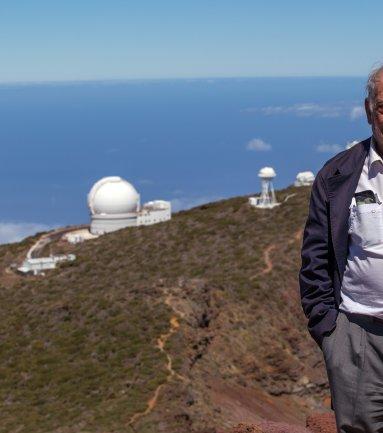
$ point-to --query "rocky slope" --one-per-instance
(193, 325)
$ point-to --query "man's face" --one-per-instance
(375, 113)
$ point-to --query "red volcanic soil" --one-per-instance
(315, 423)
(270, 427)
(251, 406)
(321, 423)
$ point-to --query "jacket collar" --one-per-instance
(341, 185)
(348, 166)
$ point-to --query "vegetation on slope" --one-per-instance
(79, 348)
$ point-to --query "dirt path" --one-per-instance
(160, 344)
(267, 254)
(268, 262)
(174, 325)
(267, 259)
(289, 196)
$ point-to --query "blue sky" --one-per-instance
(115, 39)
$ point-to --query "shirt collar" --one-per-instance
(373, 155)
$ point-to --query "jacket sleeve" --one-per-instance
(316, 285)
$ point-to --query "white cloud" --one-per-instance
(356, 112)
(311, 109)
(14, 232)
(184, 203)
(329, 148)
(308, 109)
(258, 145)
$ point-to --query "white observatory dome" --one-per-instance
(113, 195)
(267, 173)
(305, 177)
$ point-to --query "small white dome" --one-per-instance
(113, 195)
(305, 176)
(267, 173)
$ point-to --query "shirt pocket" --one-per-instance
(366, 224)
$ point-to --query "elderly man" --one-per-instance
(341, 277)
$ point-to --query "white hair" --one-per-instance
(371, 84)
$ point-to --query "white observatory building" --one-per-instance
(267, 199)
(304, 178)
(114, 204)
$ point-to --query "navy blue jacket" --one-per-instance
(325, 238)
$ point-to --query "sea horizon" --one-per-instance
(186, 140)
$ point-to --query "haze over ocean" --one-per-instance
(188, 141)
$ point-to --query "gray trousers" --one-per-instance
(353, 354)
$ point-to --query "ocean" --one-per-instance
(187, 141)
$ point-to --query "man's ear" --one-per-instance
(368, 110)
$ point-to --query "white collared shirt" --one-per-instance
(362, 285)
